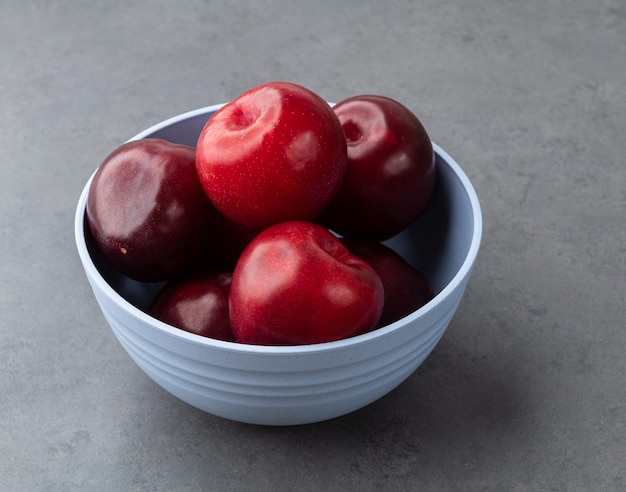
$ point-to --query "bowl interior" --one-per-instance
(442, 240)
(443, 243)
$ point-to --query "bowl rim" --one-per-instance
(284, 350)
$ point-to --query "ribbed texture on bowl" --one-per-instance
(297, 389)
(302, 384)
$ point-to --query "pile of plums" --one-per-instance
(270, 230)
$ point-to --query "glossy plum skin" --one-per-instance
(147, 212)
(197, 303)
(406, 288)
(275, 153)
(297, 284)
(391, 169)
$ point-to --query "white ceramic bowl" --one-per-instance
(297, 384)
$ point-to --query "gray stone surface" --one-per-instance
(526, 391)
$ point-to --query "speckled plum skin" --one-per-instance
(197, 303)
(275, 153)
(147, 212)
(406, 288)
(391, 169)
(297, 284)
